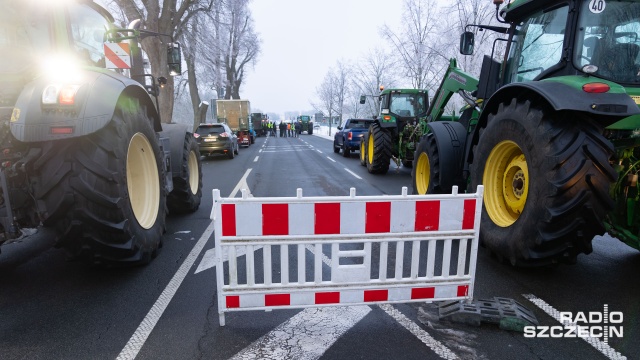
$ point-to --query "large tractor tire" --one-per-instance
(105, 193)
(310, 128)
(187, 187)
(363, 151)
(426, 170)
(546, 177)
(378, 150)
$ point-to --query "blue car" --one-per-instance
(349, 134)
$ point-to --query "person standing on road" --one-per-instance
(289, 129)
(283, 127)
(293, 129)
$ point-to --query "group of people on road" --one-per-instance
(292, 129)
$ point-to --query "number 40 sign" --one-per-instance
(597, 6)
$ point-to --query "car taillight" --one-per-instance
(350, 136)
(224, 134)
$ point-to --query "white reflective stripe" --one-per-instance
(301, 218)
(303, 298)
(403, 216)
(248, 219)
(446, 291)
(352, 217)
(399, 294)
(252, 300)
(351, 296)
(451, 214)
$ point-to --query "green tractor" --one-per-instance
(307, 124)
(551, 131)
(396, 131)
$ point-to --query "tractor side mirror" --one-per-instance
(467, 41)
(174, 59)
(363, 99)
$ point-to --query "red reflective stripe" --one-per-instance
(228, 219)
(378, 217)
(115, 59)
(427, 215)
(327, 218)
(376, 295)
(423, 293)
(275, 219)
(277, 299)
(233, 302)
(468, 214)
(328, 297)
(463, 290)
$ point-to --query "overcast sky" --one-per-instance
(302, 39)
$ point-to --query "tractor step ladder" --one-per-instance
(375, 249)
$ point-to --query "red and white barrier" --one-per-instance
(356, 238)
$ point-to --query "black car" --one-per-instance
(216, 139)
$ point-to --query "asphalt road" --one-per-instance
(54, 309)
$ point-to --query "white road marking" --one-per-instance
(319, 151)
(307, 335)
(208, 261)
(352, 173)
(260, 150)
(604, 348)
(277, 151)
(183, 232)
(140, 336)
(256, 159)
(330, 159)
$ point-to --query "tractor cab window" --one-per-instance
(537, 44)
(609, 38)
(407, 105)
(87, 30)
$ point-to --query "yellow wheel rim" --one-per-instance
(194, 176)
(362, 151)
(506, 181)
(370, 149)
(143, 181)
(423, 173)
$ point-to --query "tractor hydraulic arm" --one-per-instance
(454, 80)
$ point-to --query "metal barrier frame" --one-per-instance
(349, 284)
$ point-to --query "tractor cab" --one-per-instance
(401, 106)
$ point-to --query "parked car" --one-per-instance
(216, 139)
(349, 134)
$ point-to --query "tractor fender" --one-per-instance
(609, 107)
(176, 134)
(450, 138)
(95, 104)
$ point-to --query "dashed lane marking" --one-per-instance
(319, 151)
(256, 159)
(352, 173)
(140, 336)
(602, 347)
(260, 150)
(330, 159)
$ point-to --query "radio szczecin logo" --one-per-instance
(593, 324)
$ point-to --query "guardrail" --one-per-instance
(377, 249)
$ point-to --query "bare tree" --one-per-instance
(417, 45)
(169, 17)
(327, 95)
(376, 68)
(239, 43)
(342, 80)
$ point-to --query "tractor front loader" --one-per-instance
(83, 147)
(551, 131)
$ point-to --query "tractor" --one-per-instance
(551, 130)
(83, 148)
(396, 130)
